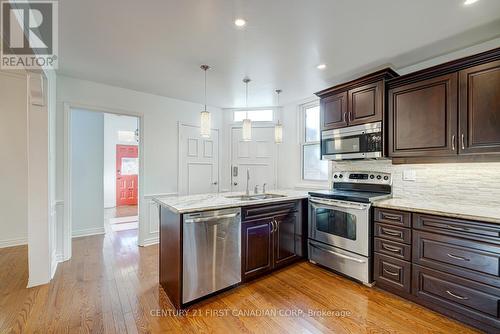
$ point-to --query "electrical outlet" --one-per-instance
(410, 175)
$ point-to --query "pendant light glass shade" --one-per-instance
(278, 133)
(205, 119)
(205, 124)
(246, 133)
(247, 130)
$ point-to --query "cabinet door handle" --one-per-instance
(391, 248)
(457, 257)
(345, 116)
(390, 272)
(456, 296)
(391, 217)
(463, 142)
(395, 233)
(350, 117)
(453, 142)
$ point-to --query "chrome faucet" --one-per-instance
(264, 188)
(248, 179)
(256, 189)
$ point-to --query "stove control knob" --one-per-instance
(386, 177)
(341, 176)
(379, 177)
(335, 176)
(372, 176)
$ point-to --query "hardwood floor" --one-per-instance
(111, 286)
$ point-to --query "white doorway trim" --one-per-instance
(180, 169)
(67, 224)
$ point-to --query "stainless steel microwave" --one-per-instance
(354, 142)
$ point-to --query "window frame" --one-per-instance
(272, 109)
(302, 139)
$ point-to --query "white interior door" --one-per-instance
(257, 156)
(198, 161)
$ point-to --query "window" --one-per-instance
(313, 168)
(261, 115)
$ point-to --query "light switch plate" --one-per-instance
(410, 175)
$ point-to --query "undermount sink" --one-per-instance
(255, 197)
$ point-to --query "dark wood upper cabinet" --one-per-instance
(355, 102)
(480, 109)
(365, 103)
(334, 111)
(423, 118)
(446, 113)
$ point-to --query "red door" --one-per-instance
(127, 167)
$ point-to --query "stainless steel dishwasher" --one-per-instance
(211, 252)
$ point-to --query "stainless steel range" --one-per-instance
(340, 229)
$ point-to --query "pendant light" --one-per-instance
(205, 121)
(278, 128)
(247, 123)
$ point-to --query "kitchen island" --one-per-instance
(212, 242)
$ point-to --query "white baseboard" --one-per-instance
(88, 231)
(13, 242)
(150, 241)
(60, 258)
(54, 264)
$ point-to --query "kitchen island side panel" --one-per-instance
(171, 255)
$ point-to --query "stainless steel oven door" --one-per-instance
(340, 224)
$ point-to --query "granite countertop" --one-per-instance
(214, 201)
(461, 210)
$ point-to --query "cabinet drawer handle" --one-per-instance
(456, 296)
(391, 248)
(395, 233)
(463, 142)
(391, 217)
(453, 142)
(457, 257)
(390, 272)
(457, 228)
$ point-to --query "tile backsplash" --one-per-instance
(459, 182)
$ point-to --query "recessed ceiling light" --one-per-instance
(470, 2)
(321, 66)
(240, 22)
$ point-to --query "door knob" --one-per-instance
(215, 183)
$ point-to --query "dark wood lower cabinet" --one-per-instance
(256, 247)
(284, 238)
(272, 237)
(449, 265)
(459, 298)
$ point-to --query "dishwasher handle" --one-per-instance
(207, 219)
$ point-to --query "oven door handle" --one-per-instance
(340, 205)
(338, 254)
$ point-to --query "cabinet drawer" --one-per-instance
(268, 210)
(391, 248)
(459, 295)
(458, 256)
(393, 217)
(457, 227)
(392, 274)
(394, 233)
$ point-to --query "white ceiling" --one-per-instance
(157, 46)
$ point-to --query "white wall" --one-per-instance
(87, 172)
(159, 126)
(113, 124)
(14, 165)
